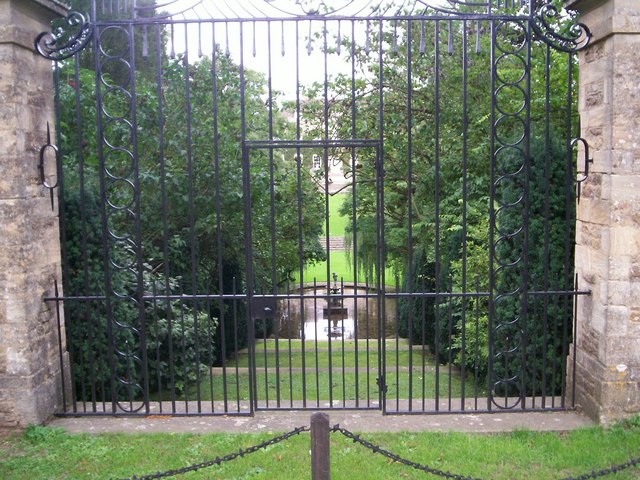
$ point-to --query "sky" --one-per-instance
(272, 51)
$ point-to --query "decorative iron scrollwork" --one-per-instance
(571, 38)
(65, 41)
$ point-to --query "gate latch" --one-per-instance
(382, 385)
(263, 308)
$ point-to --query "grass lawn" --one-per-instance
(322, 387)
(337, 223)
(47, 453)
(340, 262)
(330, 373)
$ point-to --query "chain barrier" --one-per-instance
(441, 473)
(371, 446)
(397, 458)
(226, 458)
(607, 471)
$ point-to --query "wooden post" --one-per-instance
(320, 465)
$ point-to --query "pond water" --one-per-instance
(349, 314)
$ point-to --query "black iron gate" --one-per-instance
(270, 204)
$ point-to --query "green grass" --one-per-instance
(340, 262)
(274, 380)
(48, 453)
(337, 223)
(346, 354)
(348, 359)
(322, 387)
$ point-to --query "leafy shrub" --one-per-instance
(105, 339)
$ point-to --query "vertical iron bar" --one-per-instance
(450, 336)
(158, 360)
(465, 199)
(210, 351)
(266, 360)
(344, 378)
(185, 364)
(547, 182)
(192, 218)
(248, 237)
(380, 263)
(248, 243)
(477, 348)
(437, 209)
(397, 351)
(274, 280)
(524, 315)
(299, 211)
(290, 351)
(354, 242)
(492, 221)
(218, 210)
(63, 233)
(326, 196)
(315, 322)
(234, 291)
(575, 343)
(409, 212)
(367, 343)
(423, 350)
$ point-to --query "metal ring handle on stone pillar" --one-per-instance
(584, 174)
(41, 164)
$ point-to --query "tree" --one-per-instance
(437, 178)
(154, 205)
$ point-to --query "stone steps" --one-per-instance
(335, 244)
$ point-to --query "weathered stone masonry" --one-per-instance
(30, 372)
(608, 214)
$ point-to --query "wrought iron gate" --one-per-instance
(269, 204)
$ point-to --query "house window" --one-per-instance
(316, 162)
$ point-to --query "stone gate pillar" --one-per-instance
(30, 368)
(608, 214)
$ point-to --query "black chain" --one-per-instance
(226, 458)
(607, 471)
(374, 448)
(441, 473)
(397, 458)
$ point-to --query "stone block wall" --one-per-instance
(30, 370)
(607, 343)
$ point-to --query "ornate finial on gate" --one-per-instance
(65, 40)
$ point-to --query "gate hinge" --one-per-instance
(382, 386)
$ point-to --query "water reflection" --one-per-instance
(350, 314)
